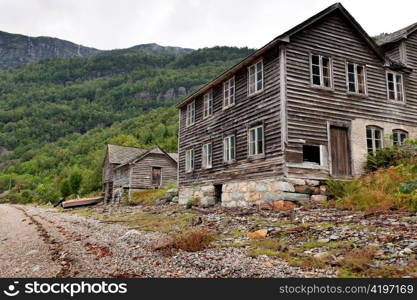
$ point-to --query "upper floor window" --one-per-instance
(399, 136)
(395, 86)
(356, 78)
(256, 78)
(229, 148)
(320, 71)
(207, 155)
(256, 140)
(190, 117)
(229, 92)
(189, 160)
(208, 104)
(373, 138)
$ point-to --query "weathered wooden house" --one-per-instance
(310, 104)
(151, 169)
(129, 168)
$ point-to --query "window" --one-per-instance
(320, 71)
(311, 153)
(229, 146)
(373, 139)
(190, 118)
(399, 136)
(256, 78)
(229, 93)
(207, 155)
(256, 140)
(356, 78)
(395, 86)
(189, 160)
(208, 104)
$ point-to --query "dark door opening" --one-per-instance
(218, 188)
(156, 176)
(340, 151)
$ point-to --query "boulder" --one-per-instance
(318, 198)
(259, 234)
(282, 205)
(293, 196)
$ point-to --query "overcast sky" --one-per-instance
(110, 24)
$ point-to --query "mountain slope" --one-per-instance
(17, 49)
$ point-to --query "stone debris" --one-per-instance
(259, 234)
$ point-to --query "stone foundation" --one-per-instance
(251, 193)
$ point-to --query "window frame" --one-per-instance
(321, 85)
(190, 114)
(228, 87)
(256, 90)
(231, 154)
(189, 160)
(208, 98)
(355, 72)
(255, 129)
(204, 156)
(396, 133)
(373, 129)
(394, 75)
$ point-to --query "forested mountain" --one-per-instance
(56, 115)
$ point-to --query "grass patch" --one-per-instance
(147, 197)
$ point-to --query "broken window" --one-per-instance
(399, 136)
(311, 153)
(320, 71)
(256, 140)
(356, 78)
(189, 160)
(229, 92)
(256, 78)
(373, 138)
(208, 104)
(190, 117)
(395, 86)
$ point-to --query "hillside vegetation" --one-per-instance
(56, 116)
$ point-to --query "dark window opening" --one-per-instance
(218, 188)
(311, 153)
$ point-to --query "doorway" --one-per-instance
(218, 188)
(340, 151)
(156, 176)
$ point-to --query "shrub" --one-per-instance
(190, 203)
(194, 240)
(45, 193)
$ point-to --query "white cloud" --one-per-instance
(109, 24)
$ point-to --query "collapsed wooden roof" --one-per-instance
(119, 154)
(286, 38)
(397, 35)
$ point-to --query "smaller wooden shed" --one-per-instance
(151, 169)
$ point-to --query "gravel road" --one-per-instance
(37, 242)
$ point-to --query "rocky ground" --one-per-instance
(120, 241)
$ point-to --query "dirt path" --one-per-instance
(22, 252)
(37, 242)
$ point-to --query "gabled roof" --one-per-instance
(156, 150)
(119, 154)
(397, 35)
(286, 38)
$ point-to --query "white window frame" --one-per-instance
(356, 78)
(207, 155)
(320, 65)
(208, 104)
(189, 160)
(229, 152)
(229, 92)
(190, 114)
(255, 145)
(255, 78)
(396, 133)
(373, 129)
(395, 83)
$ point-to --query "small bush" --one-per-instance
(190, 203)
(191, 241)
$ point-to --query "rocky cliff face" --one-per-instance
(16, 49)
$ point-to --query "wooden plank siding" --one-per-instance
(411, 54)
(309, 109)
(141, 171)
(262, 107)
